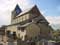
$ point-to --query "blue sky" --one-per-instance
(49, 8)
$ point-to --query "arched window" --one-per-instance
(18, 28)
(22, 29)
(8, 33)
(14, 35)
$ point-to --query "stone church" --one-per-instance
(29, 24)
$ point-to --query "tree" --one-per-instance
(56, 35)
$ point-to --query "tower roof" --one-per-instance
(17, 9)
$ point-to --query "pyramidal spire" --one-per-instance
(18, 9)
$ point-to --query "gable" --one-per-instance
(39, 17)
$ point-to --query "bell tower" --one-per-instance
(15, 12)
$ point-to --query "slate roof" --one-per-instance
(17, 9)
(26, 11)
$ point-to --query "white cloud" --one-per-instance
(53, 19)
(5, 17)
(6, 6)
(10, 4)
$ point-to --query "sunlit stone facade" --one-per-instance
(29, 24)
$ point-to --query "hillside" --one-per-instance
(55, 26)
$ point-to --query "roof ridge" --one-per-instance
(26, 10)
